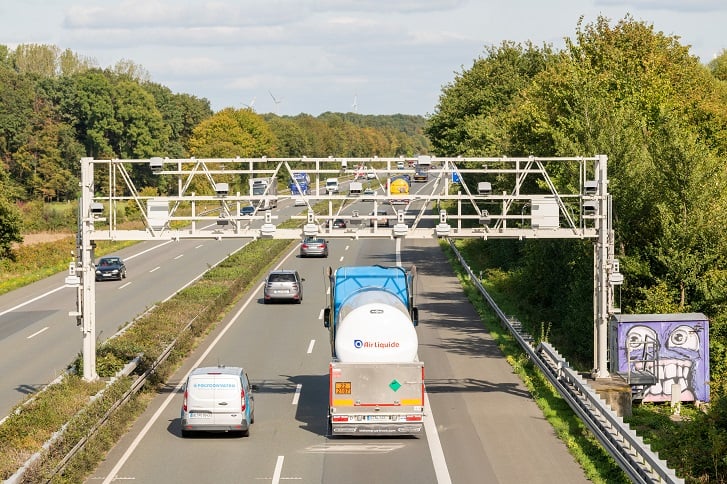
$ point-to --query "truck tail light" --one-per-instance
(340, 418)
(413, 418)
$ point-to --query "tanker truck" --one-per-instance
(376, 382)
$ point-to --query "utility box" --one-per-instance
(484, 188)
(544, 213)
(660, 354)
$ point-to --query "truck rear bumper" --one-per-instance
(355, 428)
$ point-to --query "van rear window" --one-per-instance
(282, 278)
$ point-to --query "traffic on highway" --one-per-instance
(480, 424)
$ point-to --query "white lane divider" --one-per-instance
(37, 333)
(296, 397)
(311, 345)
(278, 469)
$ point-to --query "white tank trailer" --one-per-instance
(376, 381)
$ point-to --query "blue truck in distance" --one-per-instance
(299, 184)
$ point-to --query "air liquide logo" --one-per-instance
(357, 343)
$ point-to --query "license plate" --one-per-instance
(377, 417)
(281, 291)
(199, 415)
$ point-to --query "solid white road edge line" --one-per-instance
(430, 427)
(435, 446)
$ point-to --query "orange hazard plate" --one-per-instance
(343, 388)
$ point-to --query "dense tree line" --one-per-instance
(56, 107)
(661, 117)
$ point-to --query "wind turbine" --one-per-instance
(355, 103)
(250, 106)
(276, 101)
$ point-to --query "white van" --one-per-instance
(332, 185)
(219, 399)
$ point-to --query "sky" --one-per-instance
(311, 56)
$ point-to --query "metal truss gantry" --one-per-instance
(488, 198)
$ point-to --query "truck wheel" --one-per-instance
(186, 434)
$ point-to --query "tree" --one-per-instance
(140, 130)
(231, 133)
(39, 59)
(16, 109)
(92, 108)
(718, 66)
(10, 227)
(471, 116)
(228, 134)
(131, 70)
(181, 112)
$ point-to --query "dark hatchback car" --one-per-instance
(314, 247)
(338, 223)
(110, 268)
(247, 210)
(283, 285)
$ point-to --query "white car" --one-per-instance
(298, 202)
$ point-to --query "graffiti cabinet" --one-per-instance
(660, 354)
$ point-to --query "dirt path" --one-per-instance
(40, 237)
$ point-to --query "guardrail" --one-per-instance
(629, 450)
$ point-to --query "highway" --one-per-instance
(482, 424)
(38, 340)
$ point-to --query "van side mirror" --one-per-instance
(327, 317)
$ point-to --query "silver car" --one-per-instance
(283, 285)
(314, 247)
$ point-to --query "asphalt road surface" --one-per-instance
(482, 425)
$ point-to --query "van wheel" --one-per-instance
(186, 434)
(245, 433)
